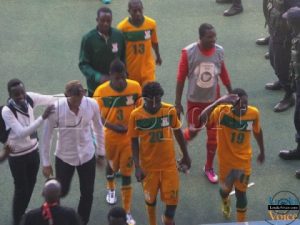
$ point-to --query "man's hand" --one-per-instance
(48, 111)
(158, 60)
(229, 99)
(179, 109)
(139, 174)
(184, 164)
(47, 171)
(100, 161)
(261, 158)
(7, 150)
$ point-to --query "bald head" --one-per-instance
(52, 191)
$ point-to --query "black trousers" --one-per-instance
(280, 57)
(237, 2)
(24, 170)
(297, 112)
(86, 173)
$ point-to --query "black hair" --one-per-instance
(104, 10)
(240, 92)
(117, 213)
(12, 83)
(203, 28)
(152, 89)
(134, 1)
(117, 66)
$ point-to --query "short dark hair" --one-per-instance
(240, 92)
(134, 1)
(117, 66)
(152, 89)
(117, 213)
(203, 28)
(104, 9)
(12, 83)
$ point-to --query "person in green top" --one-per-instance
(99, 48)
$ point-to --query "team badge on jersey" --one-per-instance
(206, 73)
(129, 100)
(246, 126)
(114, 47)
(165, 121)
(147, 34)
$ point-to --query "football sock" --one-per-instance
(210, 155)
(151, 214)
(241, 205)
(111, 185)
(167, 220)
(126, 197)
(241, 215)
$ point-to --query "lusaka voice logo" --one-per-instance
(284, 205)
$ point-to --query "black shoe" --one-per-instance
(263, 41)
(224, 1)
(290, 155)
(234, 10)
(287, 102)
(267, 55)
(297, 174)
(273, 86)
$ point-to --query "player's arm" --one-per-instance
(46, 141)
(97, 128)
(139, 173)
(135, 146)
(6, 150)
(225, 77)
(226, 99)
(186, 160)
(85, 57)
(181, 76)
(260, 141)
(155, 47)
(23, 131)
(119, 128)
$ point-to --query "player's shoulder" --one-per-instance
(116, 32)
(223, 109)
(123, 23)
(149, 20)
(133, 83)
(252, 109)
(138, 110)
(101, 88)
(219, 48)
(90, 34)
(191, 46)
(168, 107)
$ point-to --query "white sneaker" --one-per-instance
(129, 219)
(111, 197)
